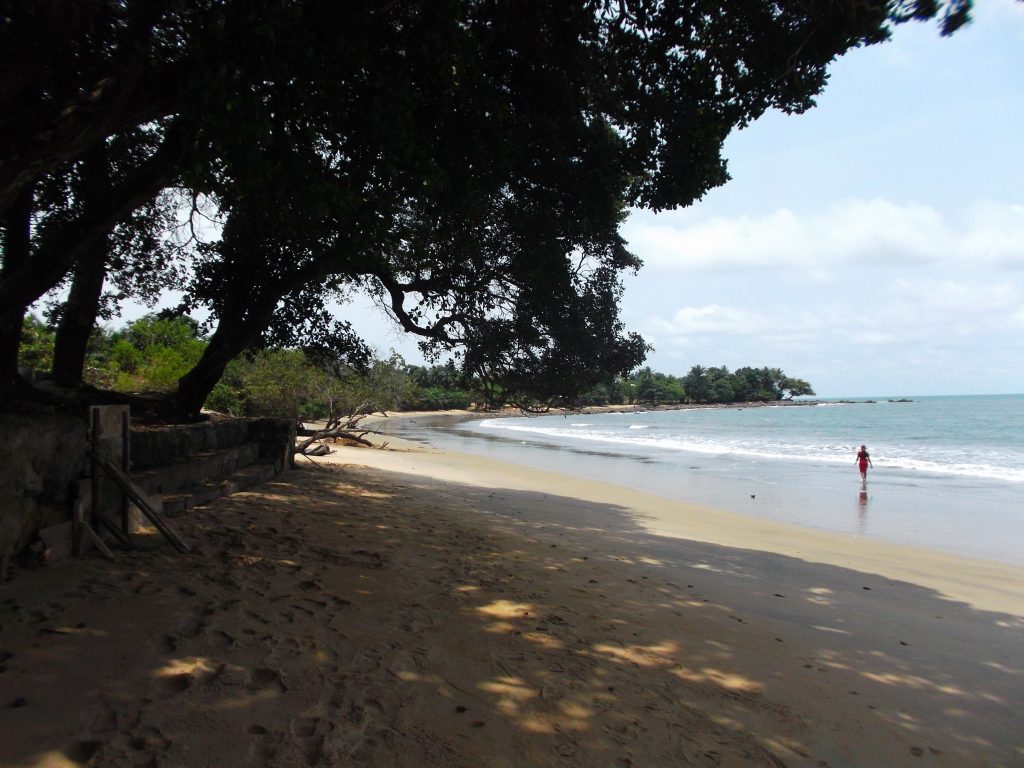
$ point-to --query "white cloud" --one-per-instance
(874, 337)
(953, 297)
(714, 324)
(849, 232)
(711, 319)
(995, 233)
(858, 319)
(912, 284)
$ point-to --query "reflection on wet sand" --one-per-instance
(862, 508)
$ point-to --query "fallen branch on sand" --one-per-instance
(315, 443)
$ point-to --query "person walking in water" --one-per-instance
(864, 461)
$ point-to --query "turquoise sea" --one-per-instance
(948, 471)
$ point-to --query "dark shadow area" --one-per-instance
(47, 397)
(347, 616)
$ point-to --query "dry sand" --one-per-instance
(411, 607)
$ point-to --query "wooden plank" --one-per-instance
(97, 541)
(94, 436)
(77, 514)
(122, 538)
(126, 464)
(137, 495)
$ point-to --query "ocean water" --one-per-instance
(948, 471)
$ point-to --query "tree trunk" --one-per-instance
(79, 315)
(61, 251)
(17, 241)
(196, 385)
(248, 301)
(235, 333)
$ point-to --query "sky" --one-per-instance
(873, 246)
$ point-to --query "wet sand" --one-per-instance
(415, 607)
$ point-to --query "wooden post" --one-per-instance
(122, 538)
(94, 488)
(76, 520)
(137, 495)
(126, 465)
(92, 535)
(108, 437)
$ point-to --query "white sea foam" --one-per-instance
(927, 459)
(948, 472)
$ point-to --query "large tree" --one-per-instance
(467, 160)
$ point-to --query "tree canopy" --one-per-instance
(467, 162)
(148, 355)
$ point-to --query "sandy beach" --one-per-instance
(414, 607)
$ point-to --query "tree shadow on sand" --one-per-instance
(347, 616)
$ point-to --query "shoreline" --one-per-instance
(634, 408)
(420, 607)
(859, 603)
(897, 507)
(954, 574)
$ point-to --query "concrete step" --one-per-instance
(198, 495)
(197, 470)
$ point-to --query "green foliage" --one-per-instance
(151, 331)
(290, 383)
(279, 382)
(36, 349)
(151, 354)
(614, 392)
(228, 396)
(126, 356)
(439, 399)
(794, 387)
(441, 387)
(273, 382)
(388, 384)
(699, 385)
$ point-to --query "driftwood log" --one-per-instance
(336, 429)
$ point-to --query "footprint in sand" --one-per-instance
(149, 739)
(100, 719)
(264, 748)
(264, 677)
(81, 752)
(192, 628)
(222, 639)
(174, 684)
(305, 727)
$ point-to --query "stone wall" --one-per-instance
(43, 458)
(159, 445)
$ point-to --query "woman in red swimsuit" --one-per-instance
(864, 461)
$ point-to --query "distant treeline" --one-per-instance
(150, 354)
(701, 385)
